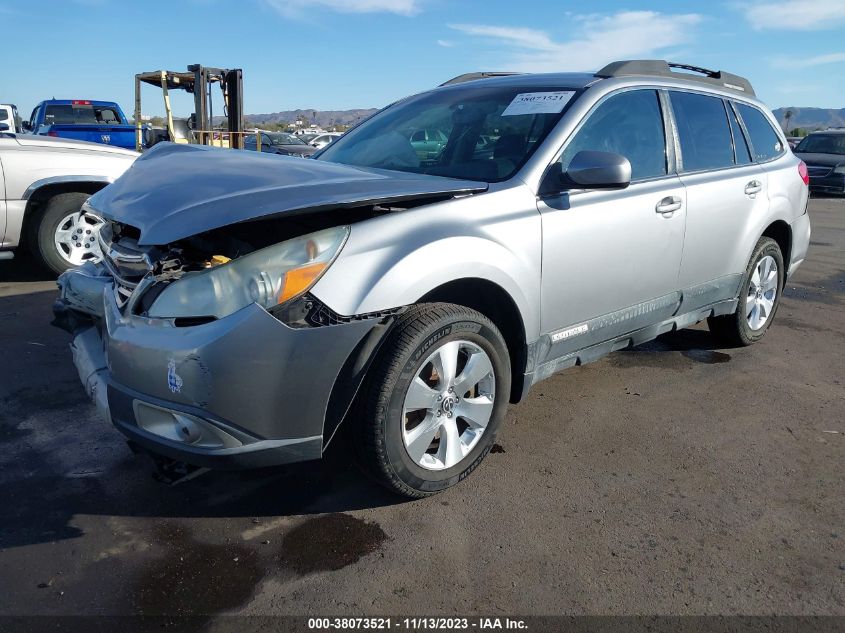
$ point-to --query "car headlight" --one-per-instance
(268, 277)
(840, 169)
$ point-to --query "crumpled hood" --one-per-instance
(175, 191)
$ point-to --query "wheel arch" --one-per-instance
(482, 295)
(494, 302)
(781, 233)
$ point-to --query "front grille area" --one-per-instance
(126, 262)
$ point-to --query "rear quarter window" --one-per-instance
(765, 142)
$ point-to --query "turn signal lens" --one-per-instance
(298, 280)
(802, 171)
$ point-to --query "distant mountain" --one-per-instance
(322, 118)
(812, 118)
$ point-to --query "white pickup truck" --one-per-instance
(43, 183)
(9, 116)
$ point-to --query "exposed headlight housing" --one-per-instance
(269, 277)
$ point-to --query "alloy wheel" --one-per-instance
(448, 405)
(762, 292)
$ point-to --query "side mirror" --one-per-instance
(598, 170)
(4, 127)
(25, 125)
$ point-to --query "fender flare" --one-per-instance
(63, 180)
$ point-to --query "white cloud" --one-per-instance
(599, 39)
(310, 8)
(805, 62)
(445, 43)
(525, 38)
(796, 15)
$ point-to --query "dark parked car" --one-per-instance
(824, 153)
(280, 143)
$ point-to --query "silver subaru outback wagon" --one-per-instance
(250, 306)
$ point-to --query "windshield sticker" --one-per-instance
(538, 103)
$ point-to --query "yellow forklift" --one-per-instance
(198, 128)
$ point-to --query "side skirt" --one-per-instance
(631, 339)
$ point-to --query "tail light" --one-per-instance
(802, 171)
(52, 133)
(80, 102)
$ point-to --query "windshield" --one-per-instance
(472, 132)
(284, 139)
(823, 144)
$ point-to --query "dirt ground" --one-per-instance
(677, 478)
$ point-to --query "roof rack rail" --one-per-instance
(661, 68)
(473, 76)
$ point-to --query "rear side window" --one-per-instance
(765, 141)
(741, 151)
(703, 131)
(59, 115)
(629, 123)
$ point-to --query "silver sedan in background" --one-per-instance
(324, 139)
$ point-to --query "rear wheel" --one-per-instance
(437, 395)
(64, 237)
(759, 297)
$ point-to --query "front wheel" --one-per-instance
(437, 395)
(759, 297)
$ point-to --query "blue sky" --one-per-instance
(339, 54)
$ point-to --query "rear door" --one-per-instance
(725, 189)
(611, 257)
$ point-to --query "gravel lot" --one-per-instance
(676, 478)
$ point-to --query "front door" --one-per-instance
(611, 257)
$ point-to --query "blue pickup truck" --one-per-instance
(82, 120)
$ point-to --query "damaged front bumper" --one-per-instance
(243, 391)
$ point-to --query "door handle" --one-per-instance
(753, 187)
(668, 205)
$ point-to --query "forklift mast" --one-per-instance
(198, 80)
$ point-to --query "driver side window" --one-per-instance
(629, 123)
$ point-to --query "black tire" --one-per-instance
(734, 328)
(42, 229)
(378, 437)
